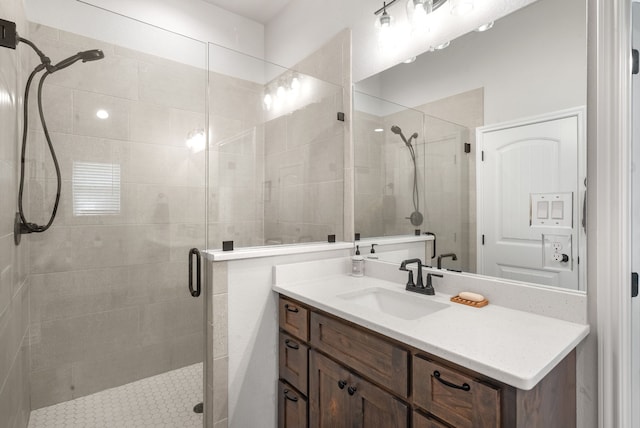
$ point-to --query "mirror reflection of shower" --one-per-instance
(21, 224)
(416, 216)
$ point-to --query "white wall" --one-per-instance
(191, 18)
(313, 23)
(525, 68)
(253, 338)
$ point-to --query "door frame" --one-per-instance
(579, 113)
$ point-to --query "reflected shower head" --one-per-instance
(396, 130)
(91, 55)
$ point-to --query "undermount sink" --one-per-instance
(397, 304)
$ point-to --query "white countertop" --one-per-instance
(514, 347)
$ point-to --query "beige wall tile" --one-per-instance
(50, 386)
(85, 121)
(220, 393)
(220, 326)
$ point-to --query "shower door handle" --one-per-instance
(196, 292)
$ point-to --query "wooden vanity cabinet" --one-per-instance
(338, 374)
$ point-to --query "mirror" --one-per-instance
(517, 93)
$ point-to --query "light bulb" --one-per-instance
(485, 27)
(268, 100)
(280, 91)
(418, 12)
(386, 31)
(443, 46)
(295, 83)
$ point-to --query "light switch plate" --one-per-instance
(551, 210)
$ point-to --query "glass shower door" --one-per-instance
(110, 299)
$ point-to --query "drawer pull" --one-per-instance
(288, 397)
(464, 387)
(342, 384)
(352, 390)
(291, 344)
(291, 308)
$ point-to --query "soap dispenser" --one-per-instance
(357, 263)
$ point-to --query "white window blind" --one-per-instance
(96, 188)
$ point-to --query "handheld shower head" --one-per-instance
(396, 130)
(90, 55)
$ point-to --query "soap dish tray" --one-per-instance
(479, 304)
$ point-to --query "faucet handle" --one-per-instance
(410, 283)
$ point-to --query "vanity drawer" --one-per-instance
(454, 397)
(294, 359)
(292, 407)
(424, 421)
(375, 358)
(294, 318)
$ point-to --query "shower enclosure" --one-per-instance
(165, 145)
(386, 185)
(109, 302)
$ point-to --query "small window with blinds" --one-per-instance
(96, 188)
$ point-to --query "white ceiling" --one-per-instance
(257, 10)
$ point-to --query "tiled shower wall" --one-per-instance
(110, 302)
(14, 285)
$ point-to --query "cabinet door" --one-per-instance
(292, 407)
(338, 398)
(329, 400)
(373, 408)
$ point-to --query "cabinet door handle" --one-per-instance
(464, 387)
(352, 390)
(288, 397)
(342, 384)
(291, 308)
(291, 344)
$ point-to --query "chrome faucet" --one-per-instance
(442, 256)
(419, 287)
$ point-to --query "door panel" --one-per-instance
(521, 165)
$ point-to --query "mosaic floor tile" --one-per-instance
(165, 400)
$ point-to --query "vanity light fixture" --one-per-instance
(485, 27)
(442, 46)
(461, 7)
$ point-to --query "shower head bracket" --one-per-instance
(19, 229)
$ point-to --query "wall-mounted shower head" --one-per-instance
(91, 55)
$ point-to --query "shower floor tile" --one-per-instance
(165, 400)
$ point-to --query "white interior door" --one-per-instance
(530, 196)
